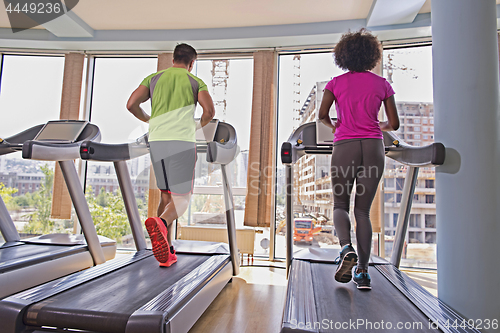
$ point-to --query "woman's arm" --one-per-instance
(324, 109)
(391, 111)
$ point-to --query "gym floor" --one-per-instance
(254, 301)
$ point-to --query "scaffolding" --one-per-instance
(220, 76)
(296, 90)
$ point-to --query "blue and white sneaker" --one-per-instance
(362, 280)
(348, 259)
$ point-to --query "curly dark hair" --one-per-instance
(358, 51)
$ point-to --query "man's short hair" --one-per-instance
(184, 53)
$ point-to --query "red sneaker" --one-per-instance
(172, 259)
(158, 234)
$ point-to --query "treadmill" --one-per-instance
(317, 303)
(30, 262)
(133, 293)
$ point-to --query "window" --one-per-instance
(429, 183)
(45, 75)
(230, 84)
(400, 182)
(387, 220)
(395, 220)
(429, 198)
(121, 76)
(430, 237)
(414, 237)
(302, 78)
(389, 182)
(430, 221)
(414, 221)
(409, 70)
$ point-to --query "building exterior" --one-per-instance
(417, 129)
(23, 182)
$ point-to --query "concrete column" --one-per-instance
(70, 109)
(465, 74)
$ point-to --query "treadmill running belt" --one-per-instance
(341, 307)
(29, 254)
(106, 303)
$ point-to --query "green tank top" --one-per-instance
(174, 95)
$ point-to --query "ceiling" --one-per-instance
(152, 25)
(203, 14)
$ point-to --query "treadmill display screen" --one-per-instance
(64, 131)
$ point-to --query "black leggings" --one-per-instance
(362, 160)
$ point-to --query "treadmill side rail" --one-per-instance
(12, 313)
(300, 309)
(436, 310)
(146, 321)
(184, 319)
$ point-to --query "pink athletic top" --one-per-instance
(358, 97)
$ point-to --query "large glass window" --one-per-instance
(302, 78)
(230, 84)
(301, 81)
(409, 70)
(30, 94)
(114, 80)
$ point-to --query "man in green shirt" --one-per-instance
(174, 93)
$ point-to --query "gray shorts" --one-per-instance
(174, 163)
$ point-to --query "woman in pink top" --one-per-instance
(358, 153)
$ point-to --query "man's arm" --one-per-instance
(140, 95)
(208, 107)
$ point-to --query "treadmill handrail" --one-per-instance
(118, 154)
(15, 142)
(95, 151)
(64, 154)
(47, 151)
(223, 150)
(395, 148)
